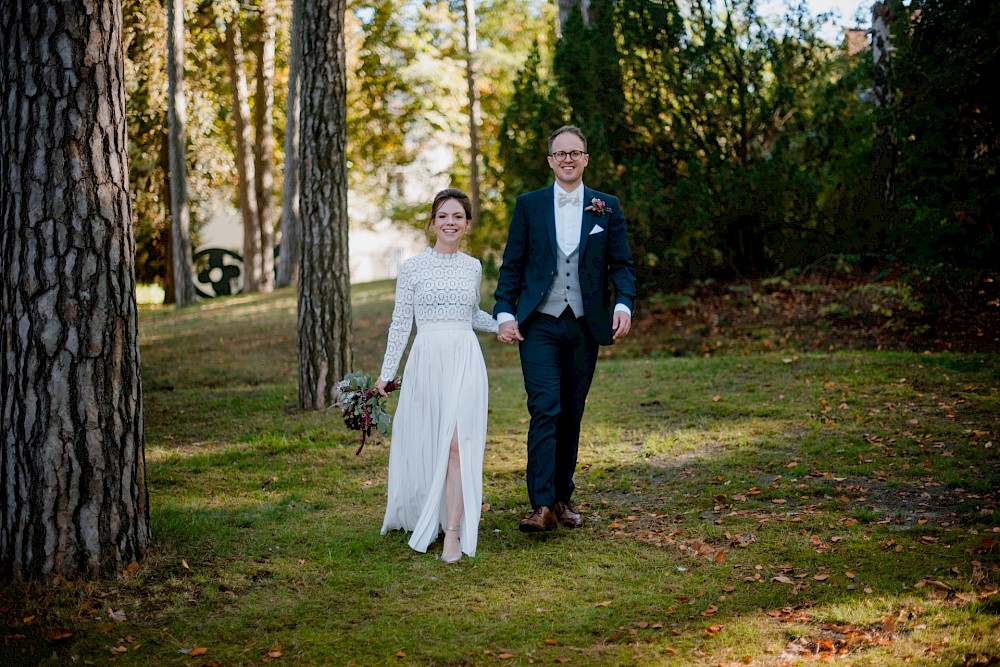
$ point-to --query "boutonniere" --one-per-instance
(597, 207)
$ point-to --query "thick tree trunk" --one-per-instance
(325, 281)
(291, 224)
(264, 144)
(180, 215)
(252, 269)
(470, 80)
(72, 474)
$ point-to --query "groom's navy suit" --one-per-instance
(558, 354)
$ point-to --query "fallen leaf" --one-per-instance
(716, 398)
(58, 633)
(550, 642)
(118, 650)
(821, 577)
(505, 656)
(614, 525)
(184, 564)
(713, 630)
(778, 501)
(781, 579)
(561, 660)
(400, 654)
(201, 650)
(28, 619)
(606, 603)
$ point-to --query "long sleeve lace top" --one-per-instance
(433, 287)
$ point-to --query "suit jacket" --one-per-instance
(531, 255)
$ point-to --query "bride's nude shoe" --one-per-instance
(452, 557)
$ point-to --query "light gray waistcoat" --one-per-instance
(565, 290)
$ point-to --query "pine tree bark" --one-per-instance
(180, 214)
(252, 269)
(264, 144)
(291, 224)
(73, 494)
(324, 325)
(474, 116)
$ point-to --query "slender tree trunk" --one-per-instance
(264, 144)
(474, 120)
(73, 494)
(252, 269)
(291, 225)
(325, 281)
(884, 174)
(566, 6)
(169, 293)
(180, 217)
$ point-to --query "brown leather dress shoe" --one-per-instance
(541, 520)
(567, 515)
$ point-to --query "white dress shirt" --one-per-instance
(569, 216)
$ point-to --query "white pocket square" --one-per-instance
(596, 230)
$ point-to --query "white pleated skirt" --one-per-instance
(444, 386)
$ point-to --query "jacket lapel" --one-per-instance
(588, 221)
(549, 216)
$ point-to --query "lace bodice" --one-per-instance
(432, 287)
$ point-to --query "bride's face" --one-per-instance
(450, 222)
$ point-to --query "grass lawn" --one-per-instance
(761, 507)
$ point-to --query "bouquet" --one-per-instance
(363, 405)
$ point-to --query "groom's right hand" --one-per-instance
(509, 333)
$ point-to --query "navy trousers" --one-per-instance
(558, 356)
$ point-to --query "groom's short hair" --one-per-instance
(569, 129)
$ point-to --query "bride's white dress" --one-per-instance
(444, 387)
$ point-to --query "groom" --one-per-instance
(566, 249)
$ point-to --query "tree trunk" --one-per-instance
(884, 174)
(324, 325)
(470, 79)
(291, 224)
(264, 144)
(252, 270)
(566, 6)
(73, 494)
(180, 216)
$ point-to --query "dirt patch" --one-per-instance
(888, 310)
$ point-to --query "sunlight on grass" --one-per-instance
(747, 509)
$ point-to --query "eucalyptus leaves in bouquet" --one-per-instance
(363, 405)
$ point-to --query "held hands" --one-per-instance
(509, 333)
(621, 324)
(380, 385)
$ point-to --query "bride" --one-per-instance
(439, 429)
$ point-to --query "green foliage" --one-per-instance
(734, 144)
(947, 131)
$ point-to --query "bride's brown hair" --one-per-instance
(451, 193)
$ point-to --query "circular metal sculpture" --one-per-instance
(217, 272)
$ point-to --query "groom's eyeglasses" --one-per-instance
(562, 155)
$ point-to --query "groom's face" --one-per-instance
(568, 172)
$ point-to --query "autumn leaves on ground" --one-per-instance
(753, 496)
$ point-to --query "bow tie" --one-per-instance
(572, 199)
